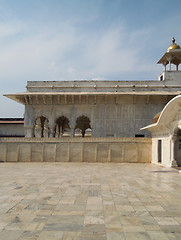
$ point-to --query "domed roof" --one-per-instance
(173, 45)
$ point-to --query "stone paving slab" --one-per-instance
(89, 201)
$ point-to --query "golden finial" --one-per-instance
(173, 45)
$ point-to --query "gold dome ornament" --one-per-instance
(172, 56)
(173, 45)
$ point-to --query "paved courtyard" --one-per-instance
(54, 201)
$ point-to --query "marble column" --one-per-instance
(46, 129)
(170, 65)
(172, 150)
(165, 66)
(51, 127)
(72, 131)
(169, 62)
(29, 121)
(29, 131)
(57, 132)
(38, 128)
(51, 131)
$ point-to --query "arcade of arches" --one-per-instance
(62, 127)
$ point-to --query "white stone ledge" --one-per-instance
(108, 87)
(76, 139)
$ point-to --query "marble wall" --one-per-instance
(76, 150)
(109, 117)
(9, 130)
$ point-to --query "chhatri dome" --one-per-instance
(172, 56)
(173, 45)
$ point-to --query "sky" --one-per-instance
(56, 40)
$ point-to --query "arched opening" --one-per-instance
(177, 148)
(41, 127)
(159, 151)
(61, 127)
(83, 123)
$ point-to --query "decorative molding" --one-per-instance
(75, 139)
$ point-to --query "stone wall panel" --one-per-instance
(62, 152)
(76, 152)
(89, 152)
(3, 147)
(25, 152)
(116, 152)
(49, 153)
(37, 152)
(12, 152)
(103, 152)
(130, 153)
(145, 155)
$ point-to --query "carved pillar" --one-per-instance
(61, 132)
(169, 61)
(38, 128)
(29, 133)
(51, 128)
(72, 131)
(57, 131)
(46, 129)
(170, 65)
(51, 134)
(29, 121)
(172, 150)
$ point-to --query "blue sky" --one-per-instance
(82, 39)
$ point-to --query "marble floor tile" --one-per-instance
(50, 235)
(157, 235)
(166, 221)
(93, 220)
(10, 234)
(29, 235)
(137, 235)
(83, 201)
(115, 236)
(94, 228)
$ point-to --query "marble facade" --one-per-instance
(112, 108)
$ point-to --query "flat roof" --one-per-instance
(94, 93)
(11, 120)
(18, 97)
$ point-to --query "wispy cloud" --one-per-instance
(8, 30)
(68, 54)
(82, 41)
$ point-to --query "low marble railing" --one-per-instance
(75, 150)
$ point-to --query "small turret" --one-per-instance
(172, 56)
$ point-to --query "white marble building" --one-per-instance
(98, 108)
(166, 135)
(106, 115)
